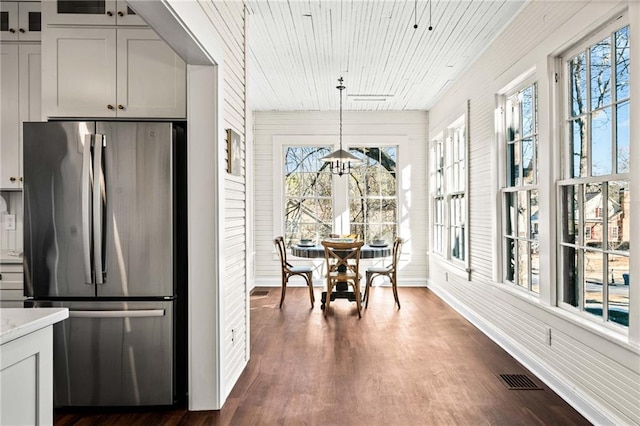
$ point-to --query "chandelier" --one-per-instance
(340, 161)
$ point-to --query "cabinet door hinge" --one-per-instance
(556, 77)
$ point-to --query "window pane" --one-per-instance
(389, 210)
(523, 213)
(570, 213)
(594, 214)
(34, 21)
(324, 185)
(511, 119)
(527, 162)
(622, 63)
(535, 267)
(622, 137)
(510, 213)
(579, 145)
(619, 216)
(578, 74)
(527, 105)
(593, 277)
(373, 211)
(512, 167)
(618, 288)
(600, 68)
(533, 225)
(511, 259)
(523, 264)
(601, 163)
(571, 277)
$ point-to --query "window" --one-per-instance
(595, 190)
(373, 194)
(439, 224)
(520, 191)
(448, 192)
(308, 202)
(314, 198)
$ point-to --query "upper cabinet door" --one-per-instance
(79, 72)
(94, 12)
(152, 79)
(29, 21)
(10, 126)
(19, 21)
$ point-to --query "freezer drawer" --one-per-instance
(114, 354)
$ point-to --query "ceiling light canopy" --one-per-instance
(341, 161)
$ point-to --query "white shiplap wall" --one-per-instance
(228, 21)
(591, 367)
(410, 127)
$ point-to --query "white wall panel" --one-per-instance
(227, 19)
(593, 367)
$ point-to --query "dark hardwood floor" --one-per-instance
(420, 365)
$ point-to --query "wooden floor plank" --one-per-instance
(420, 365)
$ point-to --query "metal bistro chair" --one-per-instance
(343, 265)
(288, 271)
(390, 271)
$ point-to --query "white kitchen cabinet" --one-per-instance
(20, 21)
(96, 12)
(26, 365)
(11, 285)
(20, 90)
(109, 72)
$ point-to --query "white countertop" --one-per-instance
(17, 322)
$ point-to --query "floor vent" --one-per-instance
(518, 382)
(259, 292)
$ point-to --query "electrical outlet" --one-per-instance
(548, 336)
(10, 222)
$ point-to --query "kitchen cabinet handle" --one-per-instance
(141, 313)
(120, 14)
(21, 30)
(11, 30)
(12, 179)
(109, 13)
(21, 178)
(109, 106)
(120, 107)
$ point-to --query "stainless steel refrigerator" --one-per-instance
(99, 239)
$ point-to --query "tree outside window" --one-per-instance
(595, 192)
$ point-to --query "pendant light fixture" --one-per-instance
(340, 161)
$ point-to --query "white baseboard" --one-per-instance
(567, 390)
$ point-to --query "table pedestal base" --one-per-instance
(340, 291)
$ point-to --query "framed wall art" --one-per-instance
(234, 153)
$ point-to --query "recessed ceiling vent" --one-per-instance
(518, 382)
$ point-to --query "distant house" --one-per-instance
(617, 220)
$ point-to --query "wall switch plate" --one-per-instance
(10, 222)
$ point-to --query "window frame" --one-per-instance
(513, 186)
(341, 197)
(581, 182)
(446, 139)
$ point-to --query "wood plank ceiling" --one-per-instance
(297, 49)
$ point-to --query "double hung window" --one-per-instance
(448, 192)
(595, 197)
(520, 190)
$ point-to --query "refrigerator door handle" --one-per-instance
(142, 313)
(86, 208)
(99, 192)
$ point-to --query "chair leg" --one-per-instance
(367, 289)
(309, 277)
(328, 300)
(356, 290)
(284, 290)
(394, 279)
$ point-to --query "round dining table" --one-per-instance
(316, 251)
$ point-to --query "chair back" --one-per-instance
(282, 251)
(342, 257)
(397, 247)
